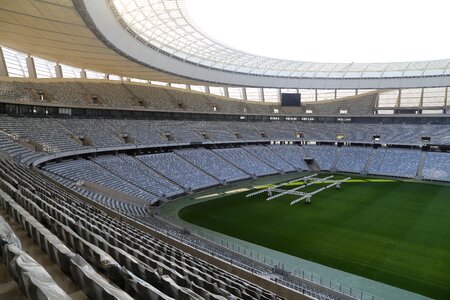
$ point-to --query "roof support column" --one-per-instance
(58, 71)
(225, 92)
(279, 95)
(30, 66)
(261, 95)
(421, 98)
(315, 97)
(3, 68)
(446, 97)
(335, 94)
(398, 103)
(207, 89)
(244, 94)
(83, 74)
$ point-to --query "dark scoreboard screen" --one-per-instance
(289, 99)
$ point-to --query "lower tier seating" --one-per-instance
(114, 260)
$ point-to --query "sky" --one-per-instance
(329, 30)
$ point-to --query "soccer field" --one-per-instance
(390, 231)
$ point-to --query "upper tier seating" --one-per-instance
(118, 94)
(141, 132)
(52, 135)
(245, 161)
(48, 133)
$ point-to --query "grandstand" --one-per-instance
(102, 132)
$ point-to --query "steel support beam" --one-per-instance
(244, 94)
(30, 66)
(58, 71)
(3, 68)
(226, 92)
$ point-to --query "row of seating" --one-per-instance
(53, 135)
(245, 161)
(178, 170)
(33, 280)
(133, 95)
(211, 163)
(437, 166)
(90, 174)
(270, 158)
(161, 176)
(352, 159)
(136, 264)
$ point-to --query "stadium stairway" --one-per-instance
(336, 159)
(368, 163)
(423, 158)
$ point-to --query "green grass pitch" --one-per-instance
(390, 231)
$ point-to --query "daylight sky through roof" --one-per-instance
(329, 30)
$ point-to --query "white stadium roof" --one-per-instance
(155, 40)
(166, 26)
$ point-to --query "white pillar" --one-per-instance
(244, 94)
(446, 96)
(3, 68)
(58, 71)
(225, 91)
(399, 98)
(30, 66)
(207, 89)
(315, 96)
(83, 74)
(421, 98)
(261, 95)
(280, 95)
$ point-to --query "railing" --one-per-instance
(303, 281)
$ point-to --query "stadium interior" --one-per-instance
(102, 126)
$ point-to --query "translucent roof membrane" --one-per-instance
(425, 97)
(410, 97)
(388, 99)
(15, 63)
(44, 68)
(165, 26)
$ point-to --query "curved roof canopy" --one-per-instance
(165, 25)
